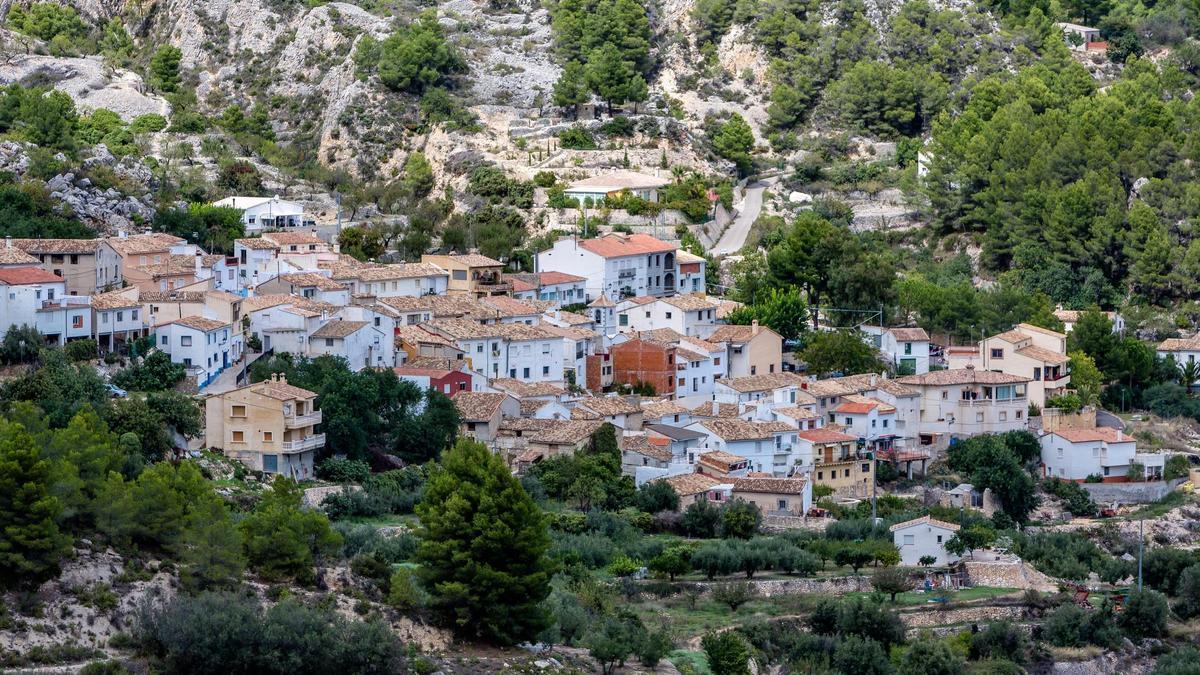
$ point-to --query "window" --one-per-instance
(238, 411)
(1019, 413)
(753, 370)
(885, 424)
(1037, 373)
(908, 540)
(908, 348)
(847, 473)
(120, 316)
(271, 463)
(163, 340)
(979, 417)
(239, 437)
(545, 370)
(668, 315)
(939, 538)
(185, 340)
(624, 319)
(647, 315)
(1060, 453)
(682, 382)
(945, 395)
(377, 320)
(782, 503)
(459, 275)
(997, 353)
(820, 475)
(866, 467)
(717, 362)
(1003, 415)
(77, 321)
(104, 317)
(479, 348)
(470, 426)
(268, 437)
(849, 421)
(512, 372)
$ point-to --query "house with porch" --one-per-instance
(269, 426)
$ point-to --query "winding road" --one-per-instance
(735, 235)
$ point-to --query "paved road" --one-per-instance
(1107, 419)
(735, 235)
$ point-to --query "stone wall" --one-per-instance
(1130, 493)
(1007, 574)
(770, 588)
(928, 617)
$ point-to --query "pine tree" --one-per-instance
(570, 91)
(483, 548)
(609, 75)
(30, 542)
(734, 141)
(164, 68)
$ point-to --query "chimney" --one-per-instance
(199, 259)
(754, 327)
(874, 379)
(1120, 436)
(283, 378)
(8, 242)
(274, 377)
(121, 233)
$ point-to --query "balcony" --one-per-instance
(301, 421)
(310, 443)
(1054, 377)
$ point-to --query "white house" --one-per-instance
(65, 318)
(266, 213)
(693, 315)
(22, 292)
(617, 265)
(1070, 317)
(691, 273)
(965, 402)
(204, 346)
(1075, 454)
(768, 445)
(923, 537)
(871, 420)
(311, 285)
(907, 349)
(117, 318)
(515, 350)
(1183, 350)
(598, 188)
(559, 288)
(359, 342)
(405, 279)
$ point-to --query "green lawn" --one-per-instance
(710, 615)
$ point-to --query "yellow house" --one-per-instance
(268, 426)
(752, 350)
(472, 274)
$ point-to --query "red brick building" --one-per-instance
(646, 361)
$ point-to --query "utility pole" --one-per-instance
(874, 484)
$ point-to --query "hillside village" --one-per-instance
(613, 334)
(694, 337)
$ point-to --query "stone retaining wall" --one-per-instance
(770, 588)
(1130, 493)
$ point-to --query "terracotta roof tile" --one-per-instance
(826, 435)
(762, 485)
(15, 256)
(339, 328)
(20, 276)
(311, 279)
(909, 334)
(688, 484)
(200, 323)
(961, 376)
(59, 246)
(292, 238)
(619, 245)
(923, 520)
(731, 429)
(478, 405)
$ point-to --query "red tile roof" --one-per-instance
(826, 436)
(618, 245)
(551, 278)
(19, 276)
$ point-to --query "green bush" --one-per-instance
(82, 350)
(577, 138)
(342, 470)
